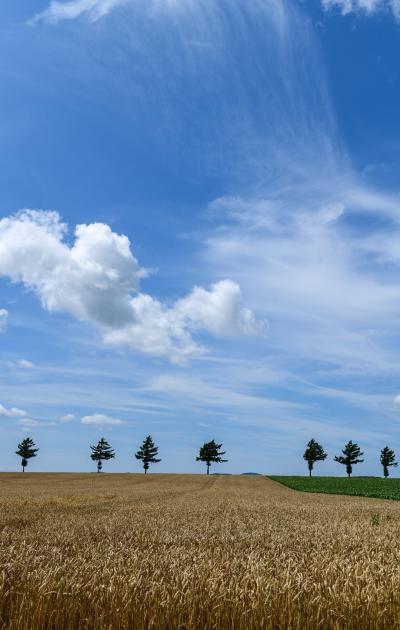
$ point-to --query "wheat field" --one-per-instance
(190, 551)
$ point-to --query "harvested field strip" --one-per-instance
(187, 551)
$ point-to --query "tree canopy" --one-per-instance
(210, 453)
(102, 451)
(388, 458)
(314, 453)
(351, 455)
(147, 453)
(26, 449)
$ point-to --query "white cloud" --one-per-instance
(368, 7)
(95, 279)
(91, 280)
(69, 417)
(21, 416)
(3, 319)
(13, 412)
(220, 310)
(329, 289)
(93, 9)
(25, 364)
(167, 331)
(102, 420)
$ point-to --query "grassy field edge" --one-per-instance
(372, 487)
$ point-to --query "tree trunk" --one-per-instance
(208, 468)
(309, 472)
(23, 468)
(145, 471)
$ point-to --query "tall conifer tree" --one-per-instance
(148, 453)
(351, 456)
(388, 458)
(102, 451)
(26, 450)
(210, 453)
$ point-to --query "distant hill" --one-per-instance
(252, 473)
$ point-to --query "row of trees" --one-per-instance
(102, 451)
(351, 455)
(210, 453)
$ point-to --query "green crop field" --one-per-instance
(355, 486)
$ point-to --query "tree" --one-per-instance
(26, 450)
(102, 451)
(387, 459)
(210, 453)
(351, 456)
(148, 453)
(314, 453)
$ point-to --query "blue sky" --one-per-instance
(199, 230)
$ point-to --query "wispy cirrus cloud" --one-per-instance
(331, 290)
(73, 9)
(32, 423)
(28, 422)
(3, 319)
(367, 7)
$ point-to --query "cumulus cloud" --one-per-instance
(368, 7)
(3, 319)
(167, 331)
(220, 310)
(101, 420)
(93, 9)
(25, 364)
(69, 417)
(91, 280)
(97, 280)
(13, 412)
